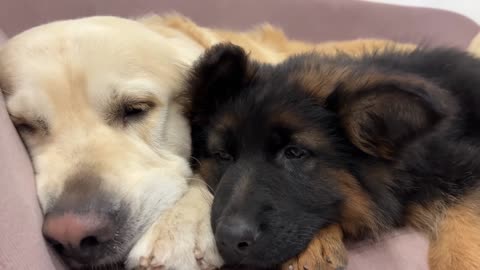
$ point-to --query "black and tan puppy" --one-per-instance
(320, 150)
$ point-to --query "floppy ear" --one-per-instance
(216, 77)
(382, 118)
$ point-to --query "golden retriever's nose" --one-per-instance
(78, 236)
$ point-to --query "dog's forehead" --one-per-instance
(86, 59)
(263, 114)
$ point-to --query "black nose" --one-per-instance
(235, 237)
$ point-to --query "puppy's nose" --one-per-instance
(235, 237)
(78, 236)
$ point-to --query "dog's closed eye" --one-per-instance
(135, 111)
(29, 127)
(129, 111)
(25, 128)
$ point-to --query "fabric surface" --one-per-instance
(400, 250)
(314, 20)
(21, 243)
(3, 37)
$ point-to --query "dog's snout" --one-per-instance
(235, 237)
(82, 222)
(78, 236)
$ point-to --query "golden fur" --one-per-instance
(453, 232)
(474, 46)
(64, 83)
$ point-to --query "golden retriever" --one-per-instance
(98, 103)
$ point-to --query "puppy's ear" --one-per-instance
(218, 76)
(382, 118)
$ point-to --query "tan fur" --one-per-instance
(74, 75)
(454, 232)
(226, 121)
(457, 244)
(326, 251)
(321, 83)
(474, 46)
(313, 140)
(265, 43)
(357, 212)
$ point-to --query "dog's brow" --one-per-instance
(38, 122)
(119, 99)
(143, 97)
(138, 85)
(134, 92)
(311, 139)
(215, 139)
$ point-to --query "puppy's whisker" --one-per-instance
(199, 163)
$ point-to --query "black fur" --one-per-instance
(415, 115)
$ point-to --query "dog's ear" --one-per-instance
(380, 119)
(218, 76)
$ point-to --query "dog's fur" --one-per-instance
(98, 103)
(348, 146)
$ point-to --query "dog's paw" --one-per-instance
(325, 252)
(181, 240)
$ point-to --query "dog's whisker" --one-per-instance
(196, 160)
(210, 188)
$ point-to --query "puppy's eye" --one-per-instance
(132, 112)
(222, 156)
(295, 152)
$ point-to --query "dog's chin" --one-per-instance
(110, 261)
(272, 250)
(114, 258)
(108, 266)
(267, 257)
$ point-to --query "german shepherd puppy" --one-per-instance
(319, 150)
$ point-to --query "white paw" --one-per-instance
(181, 239)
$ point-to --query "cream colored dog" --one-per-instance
(98, 103)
